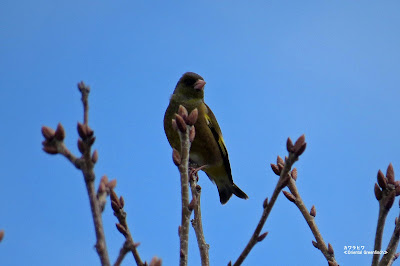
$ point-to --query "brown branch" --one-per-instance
(197, 223)
(53, 144)
(327, 251)
(386, 189)
(184, 125)
(117, 205)
(85, 95)
(1, 235)
(282, 169)
(183, 170)
(390, 256)
(123, 251)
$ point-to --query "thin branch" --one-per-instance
(386, 189)
(85, 95)
(123, 251)
(183, 124)
(327, 251)
(53, 144)
(282, 169)
(390, 256)
(1, 235)
(197, 222)
(183, 170)
(117, 205)
(379, 233)
(89, 175)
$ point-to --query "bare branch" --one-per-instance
(197, 222)
(53, 144)
(327, 251)
(117, 205)
(385, 192)
(390, 256)
(183, 131)
(294, 152)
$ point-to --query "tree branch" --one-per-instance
(390, 256)
(53, 144)
(386, 189)
(197, 223)
(117, 205)
(184, 125)
(327, 251)
(282, 169)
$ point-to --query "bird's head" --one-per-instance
(191, 86)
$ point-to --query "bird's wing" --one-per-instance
(216, 132)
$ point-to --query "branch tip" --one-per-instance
(289, 145)
(381, 180)
(279, 160)
(95, 157)
(313, 211)
(192, 118)
(48, 133)
(192, 133)
(81, 146)
(121, 229)
(155, 262)
(289, 196)
(60, 132)
(176, 157)
(330, 249)
(275, 169)
(121, 202)
(182, 111)
(265, 203)
(261, 237)
(113, 196)
(378, 192)
(390, 174)
(293, 173)
(112, 184)
(181, 124)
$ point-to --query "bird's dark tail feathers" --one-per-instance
(225, 193)
(238, 192)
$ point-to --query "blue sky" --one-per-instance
(273, 69)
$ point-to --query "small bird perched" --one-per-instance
(208, 148)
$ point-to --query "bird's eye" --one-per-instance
(190, 82)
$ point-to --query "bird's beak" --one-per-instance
(199, 85)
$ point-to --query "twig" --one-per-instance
(123, 251)
(85, 95)
(184, 125)
(281, 169)
(327, 251)
(117, 205)
(53, 144)
(383, 212)
(87, 170)
(197, 222)
(390, 256)
(386, 189)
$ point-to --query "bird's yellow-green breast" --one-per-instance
(208, 148)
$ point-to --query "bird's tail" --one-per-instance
(238, 192)
(225, 193)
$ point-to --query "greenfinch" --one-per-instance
(208, 149)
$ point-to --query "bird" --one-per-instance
(208, 150)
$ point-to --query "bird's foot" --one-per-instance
(193, 172)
